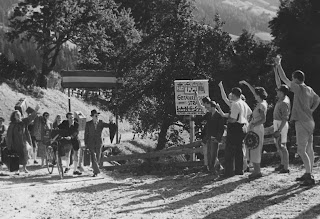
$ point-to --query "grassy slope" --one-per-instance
(54, 102)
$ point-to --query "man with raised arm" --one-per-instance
(93, 140)
(229, 101)
(304, 104)
(237, 119)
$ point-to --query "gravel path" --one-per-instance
(197, 195)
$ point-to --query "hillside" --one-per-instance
(252, 15)
(54, 102)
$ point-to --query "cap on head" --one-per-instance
(94, 112)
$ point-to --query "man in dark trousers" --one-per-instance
(213, 129)
(72, 130)
(239, 112)
(93, 140)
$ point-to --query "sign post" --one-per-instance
(186, 102)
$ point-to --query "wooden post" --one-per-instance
(69, 100)
(192, 136)
(117, 121)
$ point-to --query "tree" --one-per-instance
(296, 31)
(50, 24)
(106, 39)
(173, 46)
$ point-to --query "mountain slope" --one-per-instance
(252, 15)
(54, 102)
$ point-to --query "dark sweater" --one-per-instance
(214, 126)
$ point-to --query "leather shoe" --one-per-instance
(77, 173)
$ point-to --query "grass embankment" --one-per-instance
(52, 101)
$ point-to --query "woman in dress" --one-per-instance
(18, 137)
(256, 125)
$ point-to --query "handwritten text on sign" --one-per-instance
(186, 102)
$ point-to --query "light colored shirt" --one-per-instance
(282, 109)
(304, 99)
(256, 116)
(240, 111)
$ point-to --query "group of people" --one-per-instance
(241, 120)
(34, 133)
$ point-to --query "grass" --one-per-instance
(52, 101)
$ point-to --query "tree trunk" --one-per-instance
(163, 135)
(44, 70)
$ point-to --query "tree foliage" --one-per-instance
(296, 31)
(107, 38)
(50, 24)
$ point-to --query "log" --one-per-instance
(177, 164)
(153, 154)
(190, 145)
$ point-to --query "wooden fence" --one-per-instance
(190, 149)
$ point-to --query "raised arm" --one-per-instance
(32, 116)
(223, 94)
(249, 86)
(226, 115)
(198, 102)
(276, 77)
(281, 72)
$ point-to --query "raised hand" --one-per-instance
(243, 82)
(37, 108)
(277, 60)
(220, 84)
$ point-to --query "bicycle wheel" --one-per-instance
(50, 159)
(59, 165)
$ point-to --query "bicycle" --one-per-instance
(53, 155)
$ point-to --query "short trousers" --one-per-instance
(284, 131)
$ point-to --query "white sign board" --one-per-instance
(185, 99)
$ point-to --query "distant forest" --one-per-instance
(235, 19)
(26, 52)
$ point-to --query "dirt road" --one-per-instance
(196, 195)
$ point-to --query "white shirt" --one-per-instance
(240, 111)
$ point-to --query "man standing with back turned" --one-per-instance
(304, 103)
(93, 141)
